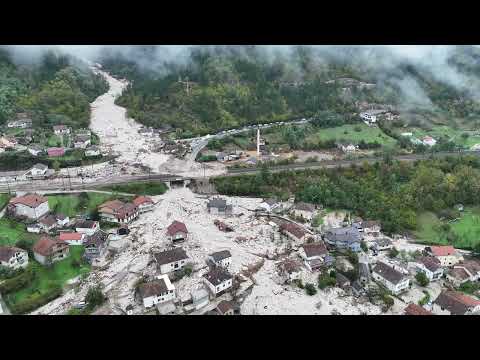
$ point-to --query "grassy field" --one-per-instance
(77, 204)
(11, 232)
(454, 135)
(466, 229)
(57, 274)
(141, 188)
(4, 199)
(348, 133)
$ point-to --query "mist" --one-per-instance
(382, 60)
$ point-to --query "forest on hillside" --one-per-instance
(57, 89)
(233, 86)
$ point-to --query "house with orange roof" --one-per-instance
(71, 238)
(47, 250)
(117, 211)
(32, 206)
(447, 254)
(143, 203)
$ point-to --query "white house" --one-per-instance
(13, 257)
(371, 227)
(171, 260)
(392, 279)
(39, 170)
(304, 210)
(368, 118)
(87, 227)
(117, 211)
(269, 205)
(71, 238)
(157, 291)
(447, 255)
(429, 141)
(218, 280)
(430, 266)
(82, 141)
(35, 150)
(48, 223)
(468, 270)
(61, 129)
(62, 220)
(221, 258)
(32, 206)
(313, 255)
(290, 269)
(144, 204)
(177, 231)
(33, 228)
(92, 151)
(47, 251)
(200, 298)
(349, 148)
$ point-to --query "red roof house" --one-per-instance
(177, 231)
(414, 309)
(55, 152)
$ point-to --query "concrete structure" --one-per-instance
(218, 281)
(392, 279)
(13, 257)
(171, 260)
(32, 206)
(157, 291)
(47, 251)
(221, 258)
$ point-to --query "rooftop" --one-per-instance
(442, 250)
(302, 206)
(388, 273)
(221, 255)
(69, 236)
(414, 309)
(169, 256)
(430, 262)
(45, 245)
(30, 200)
(217, 276)
(224, 306)
(293, 229)
(6, 252)
(140, 200)
(153, 288)
(456, 302)
(175, 227)
(315, 249)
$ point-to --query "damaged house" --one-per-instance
(218, 206)
(171, 260)
(314, 255)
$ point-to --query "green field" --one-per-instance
(466, 230)
(447, 132)
(141, 188)
(4, 199)
(56, 275)
(11, 232)
(77, 204)
(348, 133)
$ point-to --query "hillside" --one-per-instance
(233, 86)
(57, 89)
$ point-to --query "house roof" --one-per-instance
(140, 200)
(472, 265)
(304, 206)
(40, 167)
(224, 306)
(217, 203)
(346, 234)
(383, 242)
(293, 229)
(414, 309)
(442, 250)
(55, 151)
(98, 239)
(60, 127)
(459, 273)
(111, 206)
(175, 227)
(315, 249)
(86, 224)
(388, 273)
(69, 236)
(48, 220)
(217, 276)
(220, 255)
(430, 262)
(270, 201)
(6, 252)
(82, 138)
(169, 256)
(456, 302)
(30, 200)
(44, 245)
(153, 288)
(290, 266)
(370, 223)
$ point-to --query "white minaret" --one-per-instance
(258, 142)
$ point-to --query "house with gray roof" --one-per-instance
(171, 260)
(344, 238)
(219, 206)
(392, 279)
(221, 258)
(157, 291)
